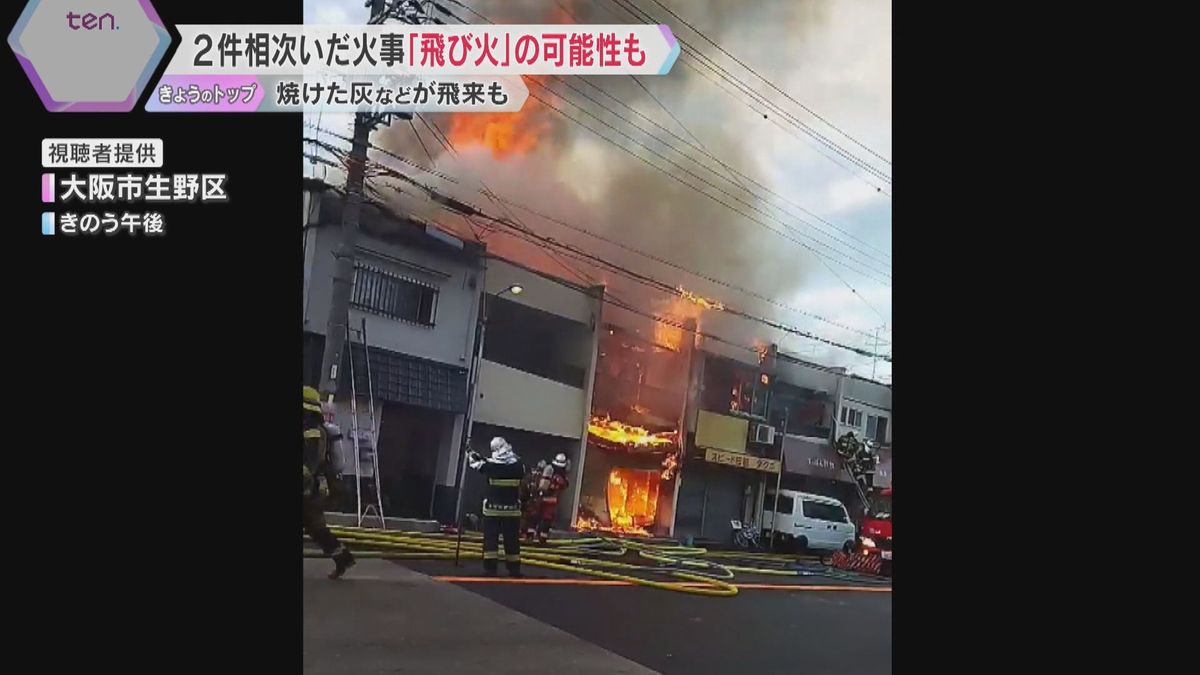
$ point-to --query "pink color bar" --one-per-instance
(47, 188)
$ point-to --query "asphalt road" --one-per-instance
(757, 631)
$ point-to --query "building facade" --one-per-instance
(535, 372)
(755, 422)
(416, 299)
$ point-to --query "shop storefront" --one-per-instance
(722, 480)
(811, 465)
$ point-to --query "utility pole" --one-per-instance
(346, 253)
(875, 351)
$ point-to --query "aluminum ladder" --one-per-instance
(371, 435)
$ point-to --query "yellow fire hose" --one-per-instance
(580, 556)
(433, 546)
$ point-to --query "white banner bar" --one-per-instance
(618, 49)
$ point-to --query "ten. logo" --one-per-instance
(90, 21)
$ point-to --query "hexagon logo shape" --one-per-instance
(89, 55)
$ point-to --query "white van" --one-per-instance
(809, 521)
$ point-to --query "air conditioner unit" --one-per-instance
(764, 433)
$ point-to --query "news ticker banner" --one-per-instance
(99, 55)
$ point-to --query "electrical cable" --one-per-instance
(766, 226)
(596, 261)
(722, 191)
(733, 179)
(770, 83)
(696, 53)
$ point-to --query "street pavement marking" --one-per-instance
(607, 582)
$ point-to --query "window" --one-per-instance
(851, 417)
(785, 503)
(731, 387)
(877, 428)
(802, 410)
(393, 296)
(823, 511)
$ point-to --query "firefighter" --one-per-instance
(864, 465)
(502, 506)
(552, 483)
(531, 506)
(319, 472)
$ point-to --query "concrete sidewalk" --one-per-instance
(383, 618)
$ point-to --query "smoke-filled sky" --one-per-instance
(832, 56)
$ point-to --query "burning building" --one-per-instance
(629, 479)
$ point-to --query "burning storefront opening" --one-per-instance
(632, 501)
(630, 495)
(633, 439)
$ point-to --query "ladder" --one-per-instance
(370, 447)
(854, 478)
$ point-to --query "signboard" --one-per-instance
(811, 457)
(741, 460)
(883, 470)
(723, 432)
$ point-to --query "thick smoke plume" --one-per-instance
(572, 174)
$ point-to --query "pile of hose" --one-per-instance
(699, 571)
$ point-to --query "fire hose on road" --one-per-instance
(697, 569)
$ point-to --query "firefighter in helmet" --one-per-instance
(502, 505)
(320, 471)
(531, 505)
(553, 482)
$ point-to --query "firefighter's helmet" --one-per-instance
(501, 450)
(560, 461)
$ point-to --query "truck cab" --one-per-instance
(876, 537)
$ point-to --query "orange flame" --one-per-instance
(632, 497)
(763, 349)
(632, 503)
(504, 133)
(614, 431)
(700, 300)
(668, 336)
(586, 524)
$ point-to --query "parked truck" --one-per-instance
(875, 535)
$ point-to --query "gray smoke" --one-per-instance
(588, 182)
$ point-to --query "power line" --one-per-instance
(414, 130)
(734, 172)
(628, 4)
(770, 83)
(640, 15)
(821, 258)
(784, 235)
(790, 228)
(681, 268)
(384, 151)
(610, 299)
(652, 282)
(834, 160)
(486, 191)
